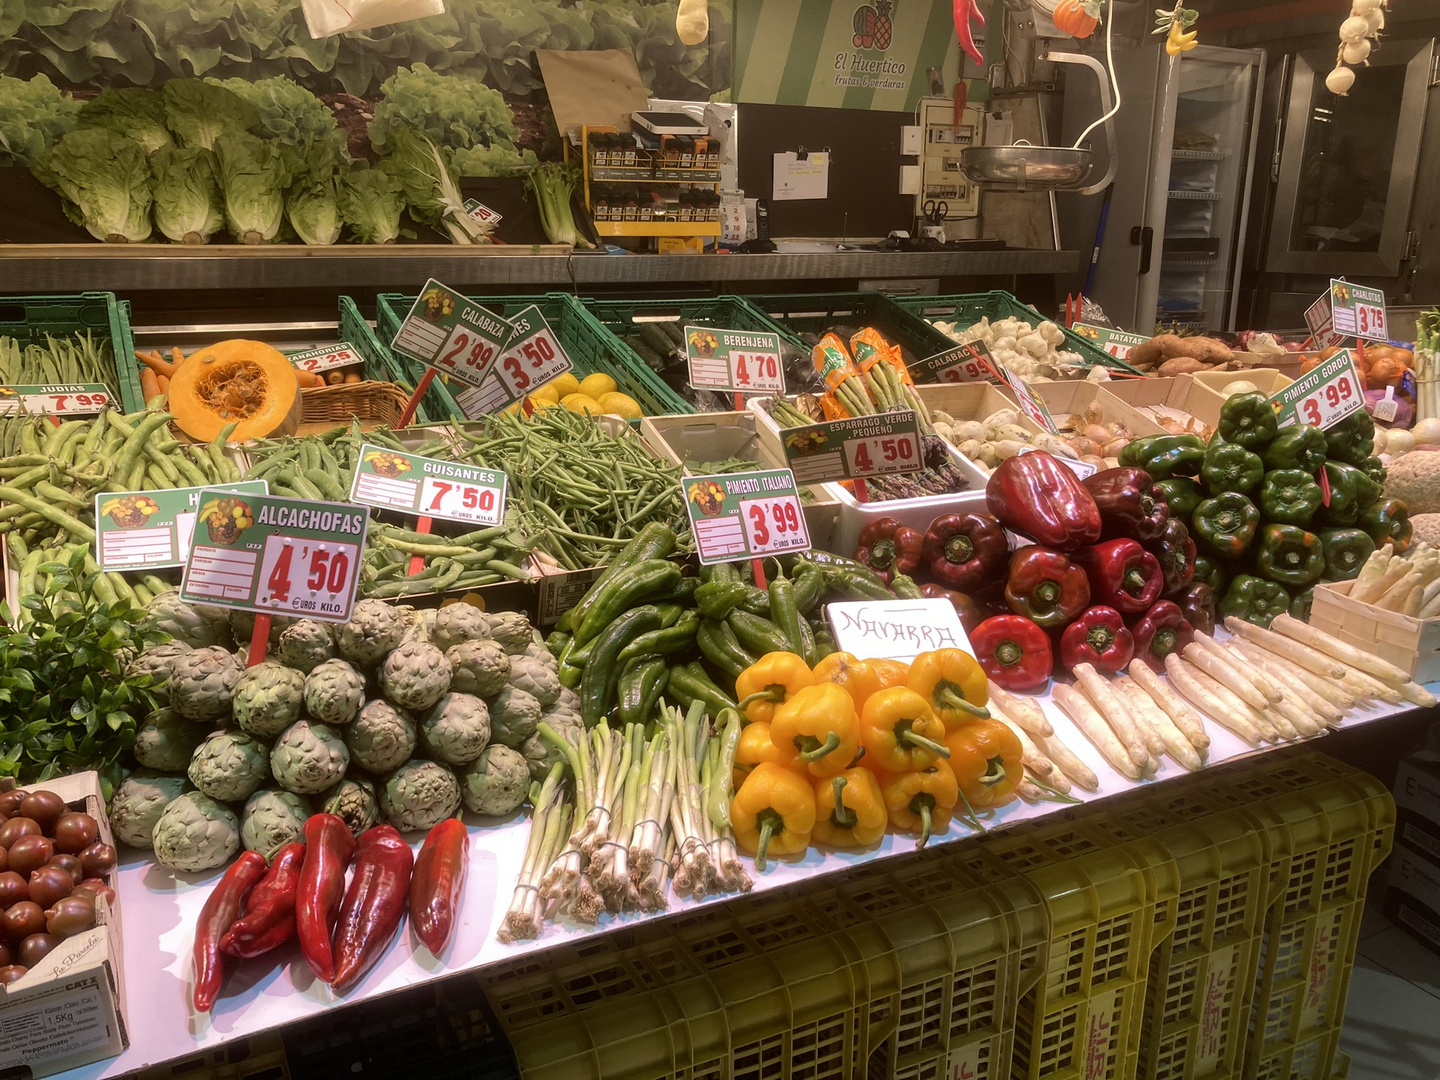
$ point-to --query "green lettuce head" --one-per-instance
(187, 198)
(104, 183)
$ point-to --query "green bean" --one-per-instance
(77, 529)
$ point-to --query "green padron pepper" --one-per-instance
(1231, 467)
(1352, 440)
(1351, 494)
(1211, 571)
(1345, 552)
(1247, 420)
(1181, 495)
(1301, 603)
(1290, 555)
(1225, 525)
(1297, 447)
(1290, 497)
(1254, 599)
(1388, 522)
(1164, 456)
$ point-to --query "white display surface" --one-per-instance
(159, 908)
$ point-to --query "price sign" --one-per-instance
(532, 358)
(145, 530)
(1117, 343)
(453, 334)
(1030, 403)
(854, 448)
(970, 362)
(333, 356)
(1358, 311)
(745, 515)
(430, 487)
(482, 213)
(1081, 469)
(1322, 324)
(1323, 396)
(896, 629)
(269, 554)
(79, 399)
(736, 360)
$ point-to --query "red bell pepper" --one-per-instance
(965, 551)
(1045, 586)
(1014, 652)
(889, 548)
(222, 907)
(329, 843)
(1036, 496)
(374, 904)
(1130, 507)
(1175, 548)
(1122, 574)
(969, 611)
(435, 886)
(269, 919)
(1197, 604)
(1160, 631)
(1099, 638)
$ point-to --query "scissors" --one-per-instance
(936, 211)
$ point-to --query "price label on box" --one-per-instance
(1116, 343)
(531, 359)
(1029, 401)
(328, 358)
(740, 361)
(970, 362)
(1323, 396)
(482, 213)
(745, 515)
(76, 399)
(146, 530)
(854, 448)
(411, 484)
(1082, 469)
(450, 332)
(271, 555)
(1358, 311)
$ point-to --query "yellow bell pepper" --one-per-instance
(849, 810)
(985, 758)
(921, 800)
(890, 672)
(856, 677)
(954, 684)
(820, 722)
(773, 813)
(900, 733)
(756, 747)
(770, 681)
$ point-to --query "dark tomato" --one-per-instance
(23, 919)
(49, 884)
(11, 974)
(44, 807)
(10, 801)
(5, 956)
(71, 865)
(17, 827)
(73, 915)
(30, 853)
(36, 947)
(95, 887)
(98, 859)
(13, 889)
(4, 859)
(73, 833)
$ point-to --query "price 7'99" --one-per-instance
(1335, 395)
(69, 402)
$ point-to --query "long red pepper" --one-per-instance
(435, 887)
(374, 904)
(329, 843)
(269, 919)
(221, 909)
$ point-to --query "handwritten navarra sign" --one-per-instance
(896, 629)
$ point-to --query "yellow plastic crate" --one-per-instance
(258, 1057)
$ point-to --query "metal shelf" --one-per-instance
(657, 228)
(1197, 155)
(700, 177)
(1196, 196)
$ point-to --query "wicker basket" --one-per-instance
(372, 403)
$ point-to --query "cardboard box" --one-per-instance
(1407, 642)
(1412, 900)
(1417, 801)
(1210, 393)
(1066, 398)
(69, 1010)
(973, 401)
(1150, 400)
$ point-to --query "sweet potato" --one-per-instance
(1180, 365)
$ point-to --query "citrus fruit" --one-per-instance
(620, 404)
(596, 384)
(581, 403)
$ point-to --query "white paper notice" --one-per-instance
(796, 179)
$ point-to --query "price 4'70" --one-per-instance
(329, 571)
(762, 368)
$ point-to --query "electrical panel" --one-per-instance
(942, 142)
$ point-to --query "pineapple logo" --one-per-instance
(708, 496)
(226, 519)
(874, 25)
(384, 464)
(130, 511)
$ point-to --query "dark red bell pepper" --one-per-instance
(269, 919)
(1197, 603)
(374, 903)
(889, 548)
(965, 551)
(1159, 632)
(222, 907)
(329, 843)
(1036, 496)
(1122, 574)
(969, 611)
(1099, 638)
(1175, 548)
(1014, 652)
(435, 886)
(1045, 586)
(1130, 507)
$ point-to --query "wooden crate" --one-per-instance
(1209, 389)
(1407, 642)
(1151, 399)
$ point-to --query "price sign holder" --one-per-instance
(328, 358)
(268, 554)
(450, 333)
(739, 361)
(970, 362)
(73, 399)
(1321, 324)
(1030, 403)
(482, 213)
(428, 487)
(854, 448)
(1082, 469)
(532, 357)
(1358, 311)
(147, 530)
(1323, 396)
(896, 629)
(745, 515)
(1117, 343)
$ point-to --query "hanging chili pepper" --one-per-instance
(1161, 631)
(1014, 652)
(821, 723)
(921, 800)
(889, 548)
(269, 919)
(1099, 638)
(222, 908)
(436, 884)
(849, 810)
(900, 732)
(954, 684)
(965, 551)
(329, 843)
(1045, 586)
(1122, 575)
(374, 903)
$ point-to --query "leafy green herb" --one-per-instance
(449, 110)
(137, 114)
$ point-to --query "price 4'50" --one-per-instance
(329, 571)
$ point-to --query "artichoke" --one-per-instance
(539, 680)
(166, 741)
(375, 628)
(568, 699)
(419, 795)
(308, 758)
(195, 833)
(456, 729)
(541, 755)
(381, 738)
(138, 804)
(496, 782)
(514, 716)
(272, 818)
(242, 625)
(196, 625)
(415, 675)
(157, 662)
(417, 622)
(458, 622)
(306, 645)
(511, 629)
(536, 650)
(229, 766)
(268, 698)
(202, 682)
(354, 801)
(334, 692)
(479, 667)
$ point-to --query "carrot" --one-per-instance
(149, 384)
(335, 378)
(353, 377)
(153, 361)
(164, 381)
(306, 379)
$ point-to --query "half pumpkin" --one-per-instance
(245, 382)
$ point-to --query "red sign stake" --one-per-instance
(862, 492)
(417, 562)
(758, 565)
(414, 402)
(259, 640)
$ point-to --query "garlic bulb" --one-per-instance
(1356, 52)
(1375, 19)
(1361, 7)
(1355, 28)
(1339, 81)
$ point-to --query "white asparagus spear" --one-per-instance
(1413, 691)
(1024, 711)
(1226, 673)
(1145, 711)
(1093, 726)
(1324, 666)
(1293, 686)
(1367, 686)
(1258, 678)
(1341, 651)
(1186, 718)
(1132, 735)
(1299, 716)
(1327, 689)
(1066, 763)
(1270, 727)
(1028, 792)
(1183, 678)
(1030, 755)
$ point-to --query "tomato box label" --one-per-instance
(532, 358)
(448, 331)
(76, 399)
(1358, 311)
(1117, 343)
(269, 554)
(145, 530)
(430, 487)
(896, 629)
(745, 515)
(854, 448)
(327, 359)
(1323, 396)
(1322, 324)
(1082, 469)
(743, 361)
(970, 362)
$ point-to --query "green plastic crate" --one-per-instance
(379, 365)
(586, 342)
(30, 318)
(972, 307)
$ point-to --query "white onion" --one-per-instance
(1241, 386)
(1399, 441)
(1361, 7)
(1355, 52)
(1339, 81)
(1375, 19)
(1355, 28)
(1427, 431)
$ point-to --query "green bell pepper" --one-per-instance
(1301, 603)
(1345, 552)
(1388, 522)
(1352, 440)
(1163, 456)
(1181, 495)
(1299, 447)
(1351, 494)
(1212, 572)
(1290, 555)
(1290, 497)
(1230, 467)
(1247, 420)
(1254, 599)
(1225, 525)
(1374, 468)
